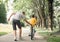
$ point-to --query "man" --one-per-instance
(17, 17)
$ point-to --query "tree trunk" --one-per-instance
(50, 6)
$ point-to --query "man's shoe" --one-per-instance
(15, 39)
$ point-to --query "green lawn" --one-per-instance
(50, 38)
(47, 34)
(53, 39)
(3, 33)
(5, 29)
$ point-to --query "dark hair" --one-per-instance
(32, 16)
(23, 12)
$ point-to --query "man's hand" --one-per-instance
(10, 16)
(27, 22)
(9, 19)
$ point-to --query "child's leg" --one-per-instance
(34, 30)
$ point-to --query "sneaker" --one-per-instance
(15, 39)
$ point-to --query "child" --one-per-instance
(33, 22)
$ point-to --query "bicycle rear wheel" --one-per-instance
(32, 33)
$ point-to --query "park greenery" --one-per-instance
(2, 12)
(46, 11)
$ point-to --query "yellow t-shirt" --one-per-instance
(32, 21)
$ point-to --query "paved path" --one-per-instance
(26, 38)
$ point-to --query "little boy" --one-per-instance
(33, 22)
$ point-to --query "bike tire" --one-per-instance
(32, 33)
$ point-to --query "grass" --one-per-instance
(53, 39)
(50, 38)
(5, 29)
(47, 34)
(3, 33)
(44, 33)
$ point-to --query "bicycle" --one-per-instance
(32, 33)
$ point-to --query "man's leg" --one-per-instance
(20, 32)
(14, 30)
(15, 34)
(20, 29)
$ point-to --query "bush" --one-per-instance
(22, 24)
(2, 13)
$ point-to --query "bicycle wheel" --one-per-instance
(32, 33)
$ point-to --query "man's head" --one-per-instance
(23, 12)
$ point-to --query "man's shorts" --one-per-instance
(16, 22)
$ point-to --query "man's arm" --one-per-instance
(10, 16)
(26, 21)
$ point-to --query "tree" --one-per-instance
(50, 6)
(2, 12)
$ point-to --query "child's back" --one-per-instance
(33, 20)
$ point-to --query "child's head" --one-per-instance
(33, 16)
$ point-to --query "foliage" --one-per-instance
(56, 10)
(2, 13)
(23, 5)
(57, 3)
(22, 24)
(37, 7)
